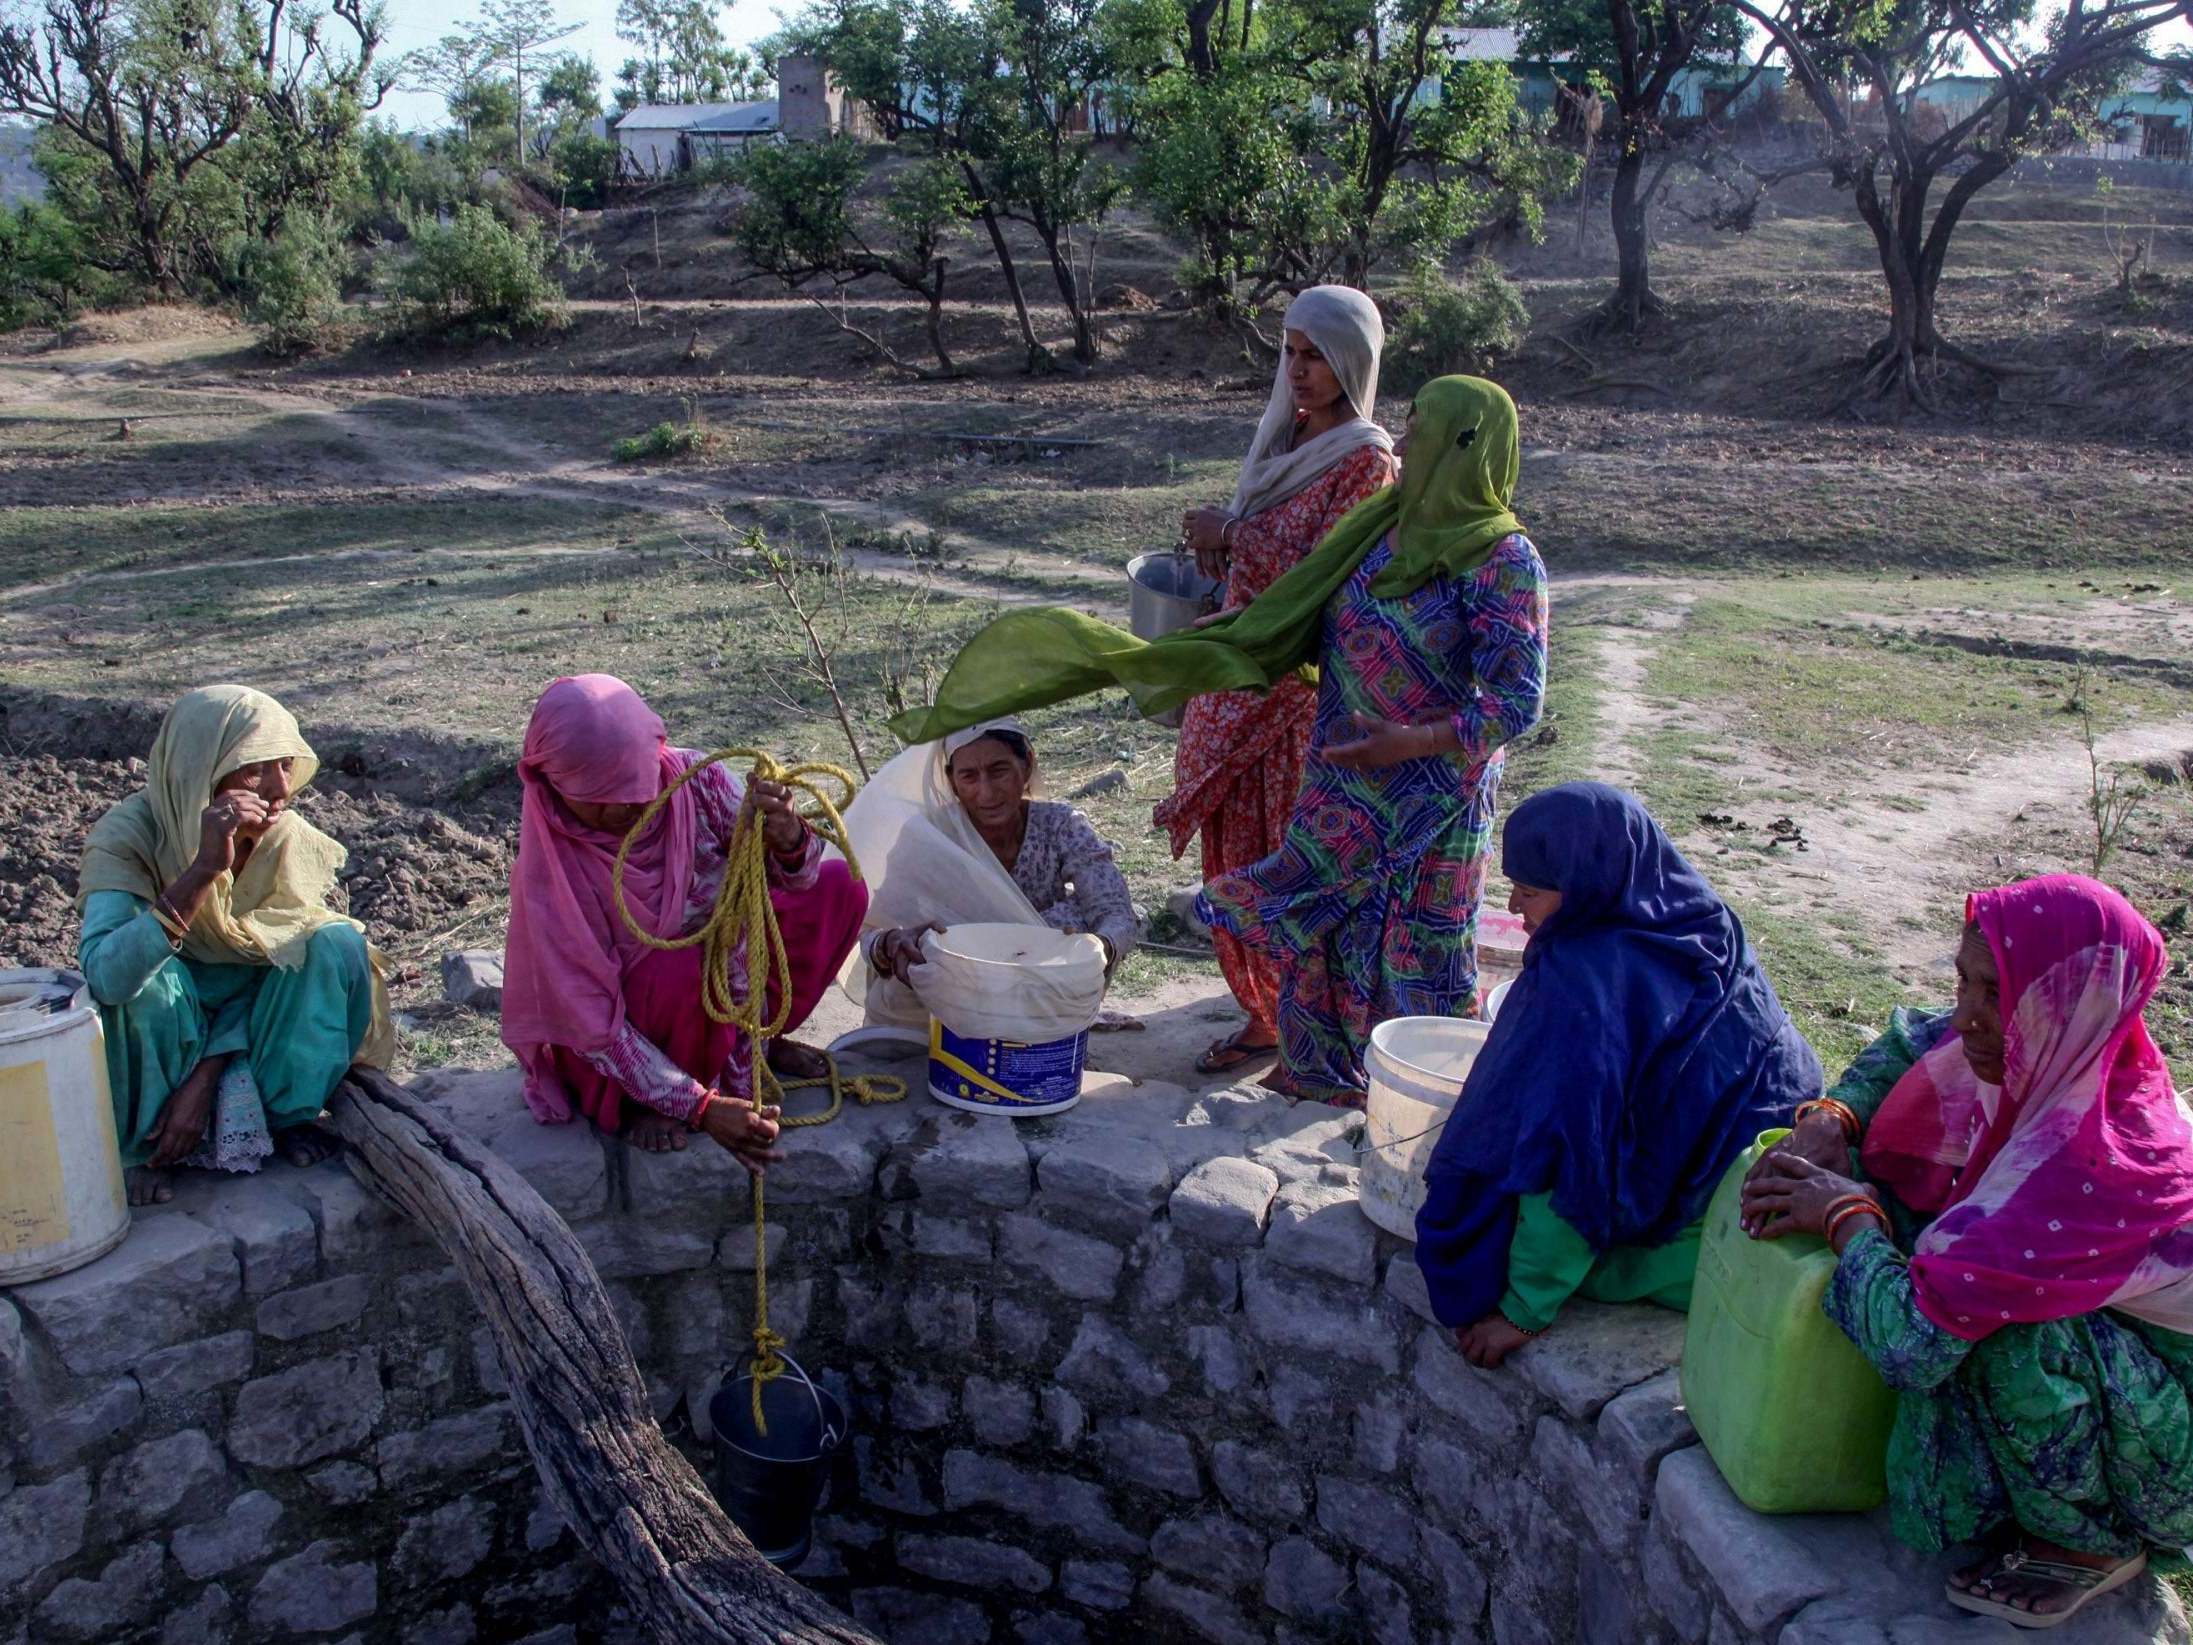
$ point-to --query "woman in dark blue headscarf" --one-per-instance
(1639, 1053)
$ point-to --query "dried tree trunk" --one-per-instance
(634, 1502)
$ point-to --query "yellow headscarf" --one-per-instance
(267, 914)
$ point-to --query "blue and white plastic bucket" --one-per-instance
(1005, 1076)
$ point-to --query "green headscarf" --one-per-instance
(1449, 510)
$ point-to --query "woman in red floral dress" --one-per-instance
(1317, 453)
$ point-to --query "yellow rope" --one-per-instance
(744, 919)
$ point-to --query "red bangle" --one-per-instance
(1844, 1114)
(700, 1111)
(1850, 1205)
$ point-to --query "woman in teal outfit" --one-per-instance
(232, 998)
(2016, 1252)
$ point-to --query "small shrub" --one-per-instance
(1446, 326)
(476, 276)
(44, 278)
(292, 285)
(667, 439)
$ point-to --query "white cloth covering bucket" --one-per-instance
(61, 1199)
(1010, 1008)
(1417, 1067)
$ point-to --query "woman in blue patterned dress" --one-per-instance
(1370, 906)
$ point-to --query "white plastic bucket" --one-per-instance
(1496, 999)
(61, 1199)
(1417, 1066)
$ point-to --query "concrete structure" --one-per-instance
(814, 105)
(1140, 1372)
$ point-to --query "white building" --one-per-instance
(659, 139)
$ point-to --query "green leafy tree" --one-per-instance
(686, 57)
(45, 276)
(451, 69)
(1637, 51)
(802, 224)
(517, 32)
(154, 95)
(930, 72)
(1861, 63)
(572, 88)
(291, 282)
(1028, 142)
(475, 276)
(1423, 151)
(1213, 155)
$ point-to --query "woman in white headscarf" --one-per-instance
(1317, 453)
(951, 833)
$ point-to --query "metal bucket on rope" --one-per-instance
(770, 1477)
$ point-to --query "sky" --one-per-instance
(413, 24)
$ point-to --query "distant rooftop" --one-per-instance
(697, 116)
(760, 116)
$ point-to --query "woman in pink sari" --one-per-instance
(2016, 1245)
(603, 1024)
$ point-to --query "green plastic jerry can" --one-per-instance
(1790, 1412)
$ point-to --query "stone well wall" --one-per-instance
(1139, 1372)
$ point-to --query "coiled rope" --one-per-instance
(745, 920)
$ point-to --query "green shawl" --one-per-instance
(1447, 513)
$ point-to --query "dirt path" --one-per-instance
(1901, 872)
(1621, 711)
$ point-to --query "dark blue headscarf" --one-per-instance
(1639, 1053)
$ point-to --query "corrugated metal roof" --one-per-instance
(741, 117)
(674, 116)
(1493, 45)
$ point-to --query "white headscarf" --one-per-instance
(1344, 325)
(923, 860)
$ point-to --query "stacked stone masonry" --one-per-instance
(1139, 1372)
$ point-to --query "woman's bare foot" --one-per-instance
(655, 1134)
(305, 1144)
(788, 1059)
(147, 1186)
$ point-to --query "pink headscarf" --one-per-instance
(2069, 1187)
(594, 740)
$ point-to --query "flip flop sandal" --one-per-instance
(2084, 1580)
(1225, 1057)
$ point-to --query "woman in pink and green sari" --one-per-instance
(2016, 1244)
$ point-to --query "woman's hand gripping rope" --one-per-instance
(744, 920)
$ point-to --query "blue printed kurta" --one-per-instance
(1370, 906)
